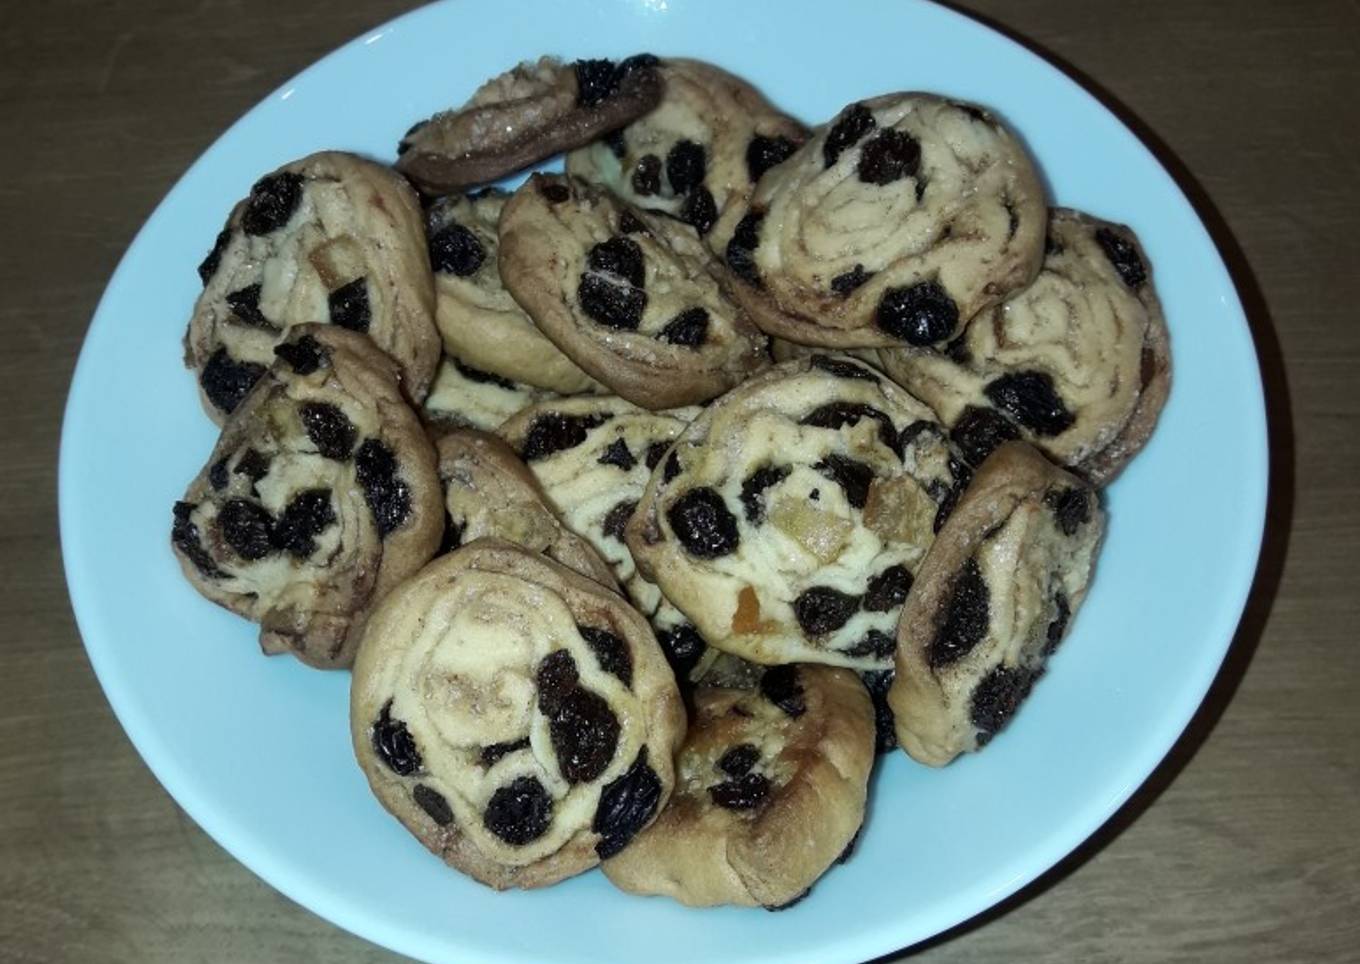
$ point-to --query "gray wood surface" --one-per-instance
(1245, 845)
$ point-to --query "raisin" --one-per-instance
(754, 486)
(781, 686)
(878, 682)
(388, 497)
(555, 677)
(972, 110)
(957, 350)
(1062, 612)
(637, 62)
(394, 744)
(184, 535)
(850, 125)
(210, 264)
(874, 643)
(703, 524)
(455, 250)
(699, 210)
(764, 153)
(689, 328)
(433, 803)
(453, 535)
(997, 696)
(596, 80)
(614, 141)
(1012, 217)
(852, 475)
(330, 431)
(618, 455)
(306, 516)
(950, 499)
(245, 307)
(404, 144)
(737, 762)
(1123, 254)
(843, 368)
(348, 306)
(821, 609)
(612, 305)
(889, 156)
(920, 314)
(922, 426)
(272, 202)
(629, 224)
(740, 254)
(887, 590)
(556, 431)
(217, 475)
(226, 381)
(1029, 398)
(616, 519)
(619, 256)
(839, 414)
(303, 356)
(655, 453)
(627, 804)
(610, 651)
(585, 735)
(965, 618)
(796, 898)
(647, 175)
(519, 812)
(481, 377)
(979, 431)
(848, 850)
(492, 752)
(1071, 508)
(683, 647)
(671, 469)
(554, 192)
(685, 166)
(252, 465)
(744, 793)
(246, 526)
(845, 283)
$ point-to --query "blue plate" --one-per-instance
(257, 750)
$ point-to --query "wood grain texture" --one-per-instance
(1245, 845)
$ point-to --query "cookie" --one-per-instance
(770, 791)
(894, 224)
(994, 597)
(1078, 364)
(319, 496)
(528, 113)
(695, 154)
(788, 520)
(490, 493)
(465, 397)
(477, 319)
(630, 297)
(331, 237)
(514, 715)
(593, 455)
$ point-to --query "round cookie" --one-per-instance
(331, 237)
(463, 396)
(895, 224)
(993, 599)
(530, 112)
(788, 519)
(1078, 364)
(698, 153)
(477, 319)
(490, 493)
(629, 296)
(770, 791)
(514, 715)
(319, 496)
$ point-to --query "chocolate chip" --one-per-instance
(1071, 508)
(629, 224)
(556, 432)
(764, 153)
(671, 469)
(519, 812)
(481, 377)
(1123, 254)
(685, 166)
(753, 488)
(348, 306)
(699, 210)
(878, 682)
(433, 803)
(227, 381)
(737, 762)
(979, 431)
(610, 651)
(845, 368)
(330, 431)
(740, 254)
(845, 283)
(744, 793)
(245, 526)
(887, 590)
(612, 305)
(835, 415)
(217, 475)
(1062, 612)
(966, 617)
(627, 804)
(920, 314)
(781, 686)
(554, 192)
(997, 696)
(852, 475)
(821, 609)
(647, 175)
(455, 250)
(875, 643)
(889, 156)
(621, 257)
(596, 80)
(303, 356)
(184, 536)
(850, 125)
(618, 455)
(1029, 398)
(272, 202)
(394, 744)
(306, 516)
(492, 752)
(703, 524)
(253, 465)
(388, 497)
(616, 519)
(655, 452)
(683, 647)
(208, 267)
(689, 328)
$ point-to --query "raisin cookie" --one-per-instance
(320, 495)
(466, 397)
(698, 152)
(331, 237)
(478, 320)
(1078, 364)
(895, 223)
(516, 716)
(789, 518)
(631, 297)
(770, 790)
(528, 113)
(490, 493)
(993, 599)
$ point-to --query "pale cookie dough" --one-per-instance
(464, 397)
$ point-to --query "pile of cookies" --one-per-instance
(651, 501)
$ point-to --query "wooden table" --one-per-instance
(1245, 844)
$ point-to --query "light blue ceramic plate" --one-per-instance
(257, 750)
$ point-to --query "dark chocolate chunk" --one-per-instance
(753, 488)
(979, 431)
(849, 127)
(1071, 508)
(683, 647)
(685, 166)
(852, 475)
(226, 381)
(330, 430)
(997, 696)
(887, 590)
(616, 519)
(689, 328)
(272, 202)
(888, 156)
(703, 523)
(210, 264)
(519, 812)
(821, 609)
(306, 516)
(874, 643)
(613, 305)
(303, 356)
(1030, 399)
(1123, 254)
(596, 80)
(920, 314)
(840, 414)
(878, 682)
(217, 475)
(492, 752)
(388, 497)
(433, 803)
(764, 153)
(584, 733)
(610, 651)
(348, 306)
(737, 762)
(557, 431)
(744, 793)
(454, 249)
(621, 257)
(184, 535)
(554, 192)
(246, 526)
(847, 282)
(394, 744)
(781, 686)
(481, 377)
(966, 616)
(627, 804)
(618, 455)
(1062, 612)
(740, 254)
(647, 175)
